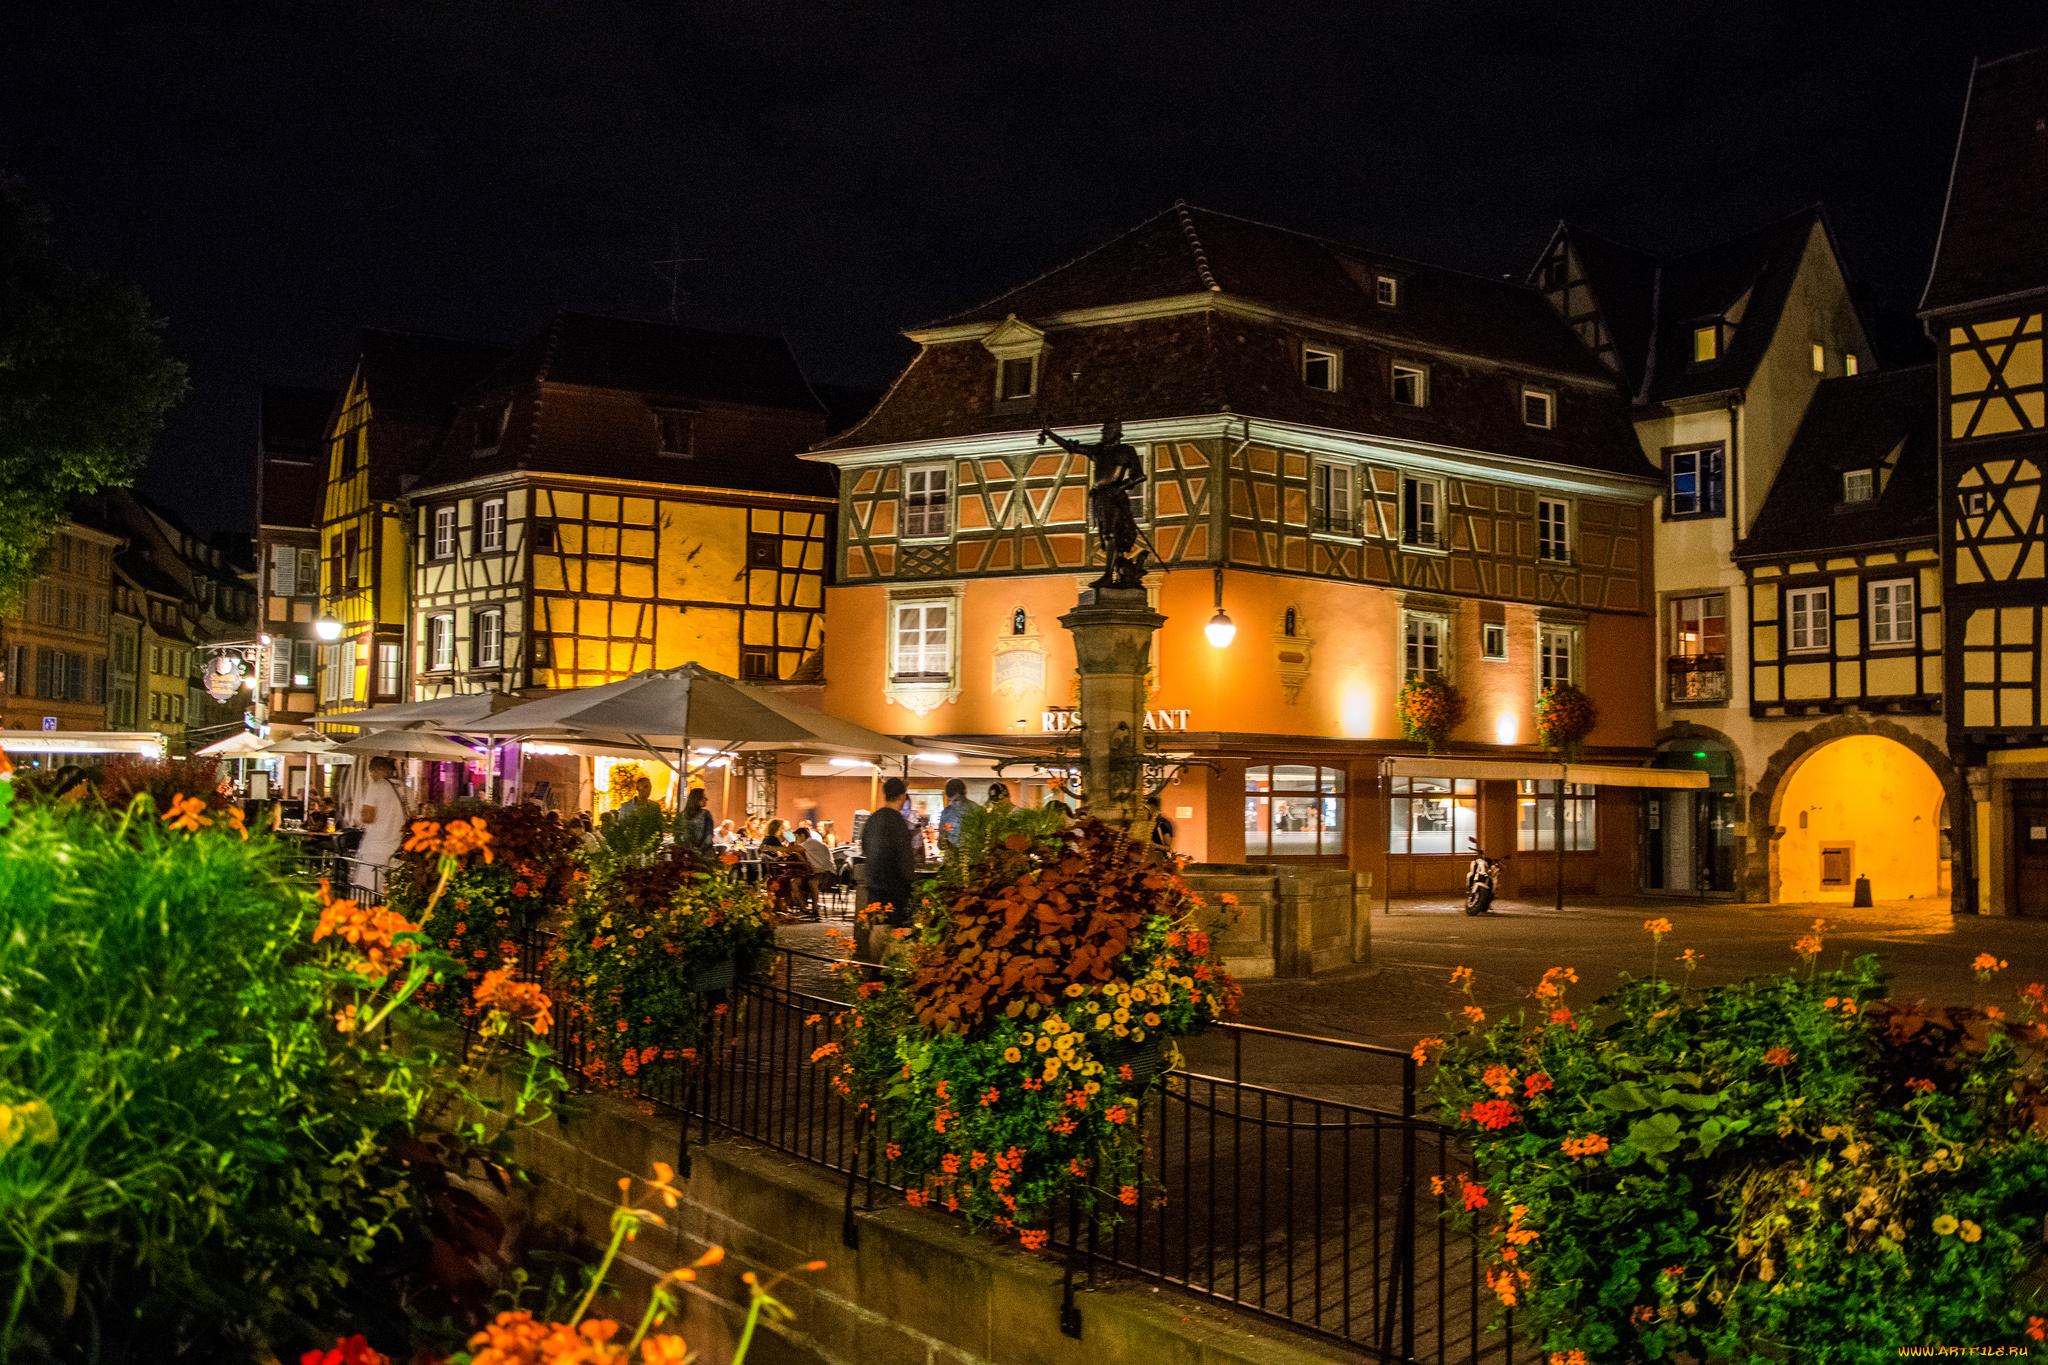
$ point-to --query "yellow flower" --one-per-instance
(1945, 1224)
(1011, 1054)
(1970, 1231)
(1043, 1044)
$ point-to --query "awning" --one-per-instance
(147, 743)
(1512, 770)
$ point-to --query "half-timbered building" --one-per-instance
(395, 406)
(1721, 350)
(291, 445)
(1985, 300)
(621, 495)
(1843, 648)
(1375, 467)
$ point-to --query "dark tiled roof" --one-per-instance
(1651, 307)
(1994, 234)
(1854, 423)
(415, 377)
(583, 394)
(1209, 361)
(1190, 250)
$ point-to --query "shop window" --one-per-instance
(1536, 816)
(1433, 815)
(1293, 810)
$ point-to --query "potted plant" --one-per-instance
(1007, 1056)
(643, 946)
(1429, 709)
(1564, 717)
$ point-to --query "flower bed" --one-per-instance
(636, 956)
(988, 1054)
(1793, 1167)
(516, 866)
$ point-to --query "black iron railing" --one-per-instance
(1313, 1208)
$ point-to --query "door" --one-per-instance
(2030, 845)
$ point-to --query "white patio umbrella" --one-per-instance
(239, 745)
(408, 743)
(312, 746)
(448, 714)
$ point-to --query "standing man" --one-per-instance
(886, 853)
(957, 806)
(1162, 828)
(381, 811)
(643, 796)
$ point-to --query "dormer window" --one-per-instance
(1706, 343)
(1859, 485)
(1019, 350)
(1387, 290)
(1411, 386)
(490, 426)
(1539, 408)
(1020, 377)
(1848, 362)
(1320, 369)
(678, 432)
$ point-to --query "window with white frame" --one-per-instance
(1859, 485)
(1387, 289)
(923, 642)
(444, 533)
(1419, 502)
(1808, 626)
(925, 500)
(1433, 814)
(487, 642)
(1321, 369)
(440, 644)
(1557, 654)
(1411, 386)
(388, 666)
(1697, 485)
(1493, 641)
(1331, 507)
(490, 524)
(1553, 530)
(1423, 645)
(1892, 612)
(1141, 496)
(1539, 408)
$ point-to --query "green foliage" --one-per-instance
(635, 940)
(84, 385)
(225, 1168)
(1006, 1058)
(1780, 1169)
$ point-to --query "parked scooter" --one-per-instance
(1482, 882)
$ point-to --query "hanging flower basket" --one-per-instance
(1430, 709)
(1564, 717)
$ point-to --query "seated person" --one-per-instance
(823, 875)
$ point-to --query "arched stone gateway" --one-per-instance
(1856, 795)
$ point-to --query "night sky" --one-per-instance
(277, 174)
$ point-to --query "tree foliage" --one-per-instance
(85, 384)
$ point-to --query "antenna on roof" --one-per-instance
(670, 272)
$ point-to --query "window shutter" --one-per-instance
(284, 562)
(281, 663)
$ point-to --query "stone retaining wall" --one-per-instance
(920, 1290)
(1296, 921)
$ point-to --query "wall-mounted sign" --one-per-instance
(1018, 671)
(1059, 720)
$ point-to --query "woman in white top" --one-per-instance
(380, 810)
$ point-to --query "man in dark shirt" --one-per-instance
(886, 851)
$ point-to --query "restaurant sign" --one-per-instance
(1059, 720)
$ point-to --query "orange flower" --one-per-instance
(1778, 1056)
(1474, 1014)
(186, 814)
(1806, 945)
(1658, 927)
(1985, 964)
(1127, 1195)
(238, 822)
(1591, 1145)
(1033, 1238)
(520, 1000)
(1421, 1053)
(1461, 974)
(1499, 1079)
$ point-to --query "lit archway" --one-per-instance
(1858, 805)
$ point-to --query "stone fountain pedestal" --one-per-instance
(1113, 630)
